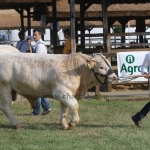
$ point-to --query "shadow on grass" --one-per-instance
(21, 114)
(57, 126)
(5, 126)
(104, 125)
(43, 126)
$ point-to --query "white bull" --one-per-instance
(8, 49)
(63, 77)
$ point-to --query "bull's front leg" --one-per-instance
(68, 101)
(73, 105)
(63, 120)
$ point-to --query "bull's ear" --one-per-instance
(89, 64)
(93, 59)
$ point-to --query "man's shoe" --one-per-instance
(32, 114)
(136, 121)
(45, 112)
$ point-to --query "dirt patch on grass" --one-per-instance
(130, 87)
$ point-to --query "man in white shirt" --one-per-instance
(22, 45)
(40, 48)
(40, 44)
(144, 111)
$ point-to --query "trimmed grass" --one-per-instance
(103, 126)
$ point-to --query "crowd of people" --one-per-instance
(24, 46)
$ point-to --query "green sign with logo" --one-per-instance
(130, 59)
(129, 63)
(130, 69)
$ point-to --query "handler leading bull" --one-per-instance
(63, 77)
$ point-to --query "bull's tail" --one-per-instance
(14, 95)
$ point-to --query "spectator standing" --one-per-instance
(31, 47)
(22, 45)
(40, 48)
(67, 47)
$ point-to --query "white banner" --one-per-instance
(129, 63)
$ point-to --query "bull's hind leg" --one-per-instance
(5, 106)
(64, 111)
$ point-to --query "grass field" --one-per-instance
(103, 126)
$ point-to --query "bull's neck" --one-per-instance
(88, 77)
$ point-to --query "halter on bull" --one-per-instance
(96, 74)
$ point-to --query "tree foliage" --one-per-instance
(117, 29)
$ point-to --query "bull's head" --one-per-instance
(101, 68)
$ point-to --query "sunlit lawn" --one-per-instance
(103, 126)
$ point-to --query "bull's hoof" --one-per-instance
(71, 125)
(17, 126)
(70, 128)
(65, 128)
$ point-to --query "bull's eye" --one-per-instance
(101, 67)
